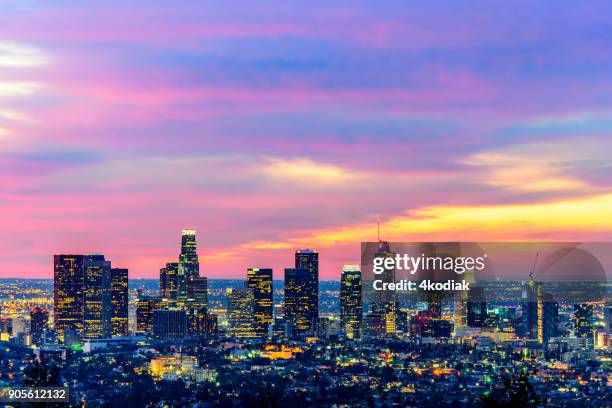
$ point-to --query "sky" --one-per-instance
(272, 125)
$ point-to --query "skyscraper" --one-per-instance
(259, 282)
(168, 281)
(67, 293)
(298, 311)
(119, 301)
(550, 317)
(39, 322)
(241, 318)
(583, 319)
(83, 295)
(308, 259)
(169, 323)
(529, 308)
(385, 301)
(97, 305)
(188, 262)
(351, 313)
(145, 307)
(211, 324)
(476, 307)
(197, 290)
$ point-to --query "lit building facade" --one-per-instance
(259, 282)
(241, 319)
(67, 293)
(97, 306)
(298, 312)
(351, 310)
(39, 323)
(197, 290)
(169, 323)
(119, 301)
(168, 281)
(385, 301)
(145, 306)
(188, 265)
(308, 259)
(583, 321)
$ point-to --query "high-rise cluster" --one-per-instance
(90, 297)
(181, 309)
(251, 311)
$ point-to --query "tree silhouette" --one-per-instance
(40, 374)
(517, 392)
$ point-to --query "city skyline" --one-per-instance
(306, 204)
(274, 127)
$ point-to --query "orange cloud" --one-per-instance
(309, 172)
(582, 216)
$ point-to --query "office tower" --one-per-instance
(259, 282)
(402, 323)
(608, 317)
(169, 323)
(240, 308)
(385, 301)
(308, 259)
(461, 299)
(6, 327)
(351, 313)
(435, 304)
(476, 307)
(97, 306)
(196, 318)
(197, 290)
(39, 324)
(529, 307)
(145, 306)
(550, 318)
(189, 254)
(67, 293)
(375, 325)
(168, 281)
(460, 310)
(583, 319)
(188, 262)
(278, 329)
(298, 312)
(540, 313)
(211, 325)
(119, 301)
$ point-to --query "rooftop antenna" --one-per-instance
(531, 273)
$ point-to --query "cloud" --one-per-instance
(21, 55)
(272, 126)
(573, 219)
(539, 167)
(17, 88)
(14, 116)
(309, 173)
